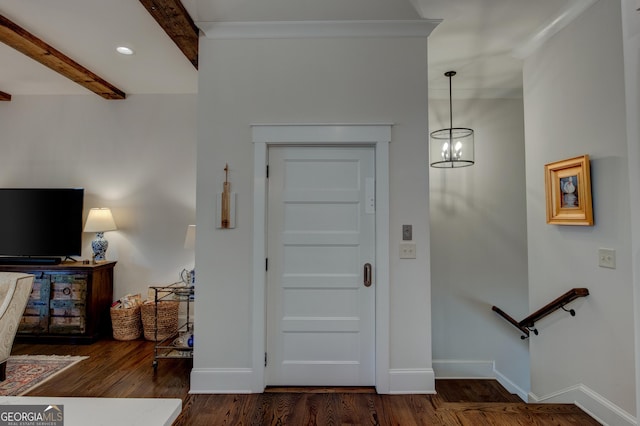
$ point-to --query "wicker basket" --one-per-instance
(167, 319)
(126, 323)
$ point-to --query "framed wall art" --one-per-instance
(568, 192)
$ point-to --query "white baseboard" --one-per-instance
(590, 402)
(511, 387)
(241, 380)
(422, 381)
(222, 380)
(463, 369)
(412, 380)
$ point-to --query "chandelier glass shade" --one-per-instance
(453, 146)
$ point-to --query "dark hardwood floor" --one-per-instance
(124, 370)
(114, 369)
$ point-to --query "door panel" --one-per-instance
(320, 316)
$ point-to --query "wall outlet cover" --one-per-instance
(607, 258)
(407, 251)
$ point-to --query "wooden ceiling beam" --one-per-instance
(23, 41)
(176, 22)
(5, 96)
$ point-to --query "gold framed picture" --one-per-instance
(568, 192)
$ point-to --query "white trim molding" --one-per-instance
(411, 381)
(589, 401)
(317, 29)
(376, 135)
(511, 386)
(226, 380)
(464, 369)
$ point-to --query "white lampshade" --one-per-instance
(100, 220)
(190, 238)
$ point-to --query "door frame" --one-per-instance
(374, 135)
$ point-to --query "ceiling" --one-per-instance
(483, 40)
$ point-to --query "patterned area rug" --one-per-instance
(25, 372)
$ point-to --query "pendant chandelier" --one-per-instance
(452, 147)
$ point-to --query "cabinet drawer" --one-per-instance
(35, 319)
(68, 290)
(66, 317)
(66, 325)
(67, 308)
(77, 279)
(69, 278)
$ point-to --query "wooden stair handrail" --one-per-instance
(513, 322)
(529, 322)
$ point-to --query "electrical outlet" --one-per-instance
(607, 258)
(407, 251)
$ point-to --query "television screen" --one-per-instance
(41, 221)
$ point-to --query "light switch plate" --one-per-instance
(607, 258)
(407, 251)
(407, 232)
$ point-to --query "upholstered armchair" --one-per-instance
(15, 288)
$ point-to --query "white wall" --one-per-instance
(575, 104)
(330, 80)
(136, 156)
(631, 44)
(479, 246)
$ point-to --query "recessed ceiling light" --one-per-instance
(124, 50)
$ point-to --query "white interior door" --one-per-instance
(321, 234)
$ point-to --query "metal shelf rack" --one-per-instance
(170, 346)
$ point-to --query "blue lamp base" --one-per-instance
(99, 246)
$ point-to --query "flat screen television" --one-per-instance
(40, 223)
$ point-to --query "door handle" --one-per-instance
(367, 275)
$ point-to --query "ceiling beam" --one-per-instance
(5, 96)
(176, 22)
(30, 45)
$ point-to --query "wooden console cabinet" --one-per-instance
(69, 302)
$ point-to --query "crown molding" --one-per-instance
(317, 29)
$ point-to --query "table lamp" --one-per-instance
(99, 221)
(190, 238)
(189, 276)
